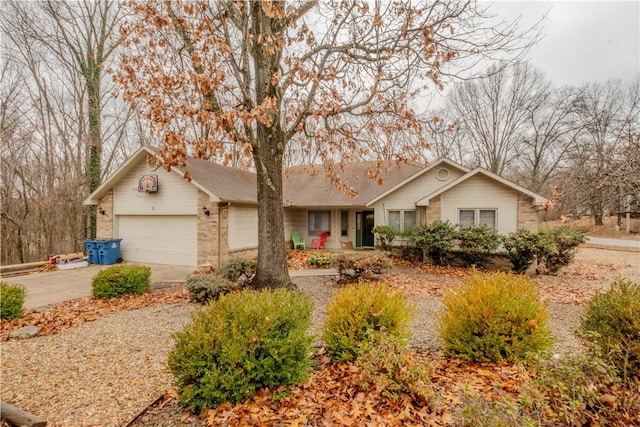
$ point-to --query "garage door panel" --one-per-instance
(159, 239)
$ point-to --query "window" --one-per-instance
(319, 221)
(344, 223)
(470, 217)
(409, 220)
(394, 220)
(403, 220)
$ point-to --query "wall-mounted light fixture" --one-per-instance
(101, 211)
(205, 211)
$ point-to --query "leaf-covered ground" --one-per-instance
(72, 313)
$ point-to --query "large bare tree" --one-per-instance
(493, 112)
(71, 130)
(603, 165)
(263, 76)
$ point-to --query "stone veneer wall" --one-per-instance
(527, 213)
(208, 237)
(434, 210)
(223, 211)
(104, 223)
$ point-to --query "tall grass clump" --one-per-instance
(494, 317)
(361, 316)
(240, 343)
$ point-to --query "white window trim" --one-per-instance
(318, 232)
(402, 211)
(476, 217)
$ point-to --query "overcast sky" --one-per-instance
(584, 41)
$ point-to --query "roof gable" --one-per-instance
(538, 199)
(221, 183)
(439, 162)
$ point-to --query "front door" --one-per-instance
(364, 229)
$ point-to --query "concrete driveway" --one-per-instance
(56, 286)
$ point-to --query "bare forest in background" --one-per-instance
(64, 129)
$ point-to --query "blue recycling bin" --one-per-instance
(109, 251)
(92, 251)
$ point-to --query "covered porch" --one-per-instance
(347, 227)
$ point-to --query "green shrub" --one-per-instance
(435, 239)
(397, 373)
(353, 268)
(205, 287)
(610, 326)
(239, 270)
(319, 258)
(361, 316)
(557, 246)
(385, 235)
(566, 392)
(521, 249)
(240, 343)
(477, 244)
(121, 280)
(494, 317)
(11, 300)
(478, 410)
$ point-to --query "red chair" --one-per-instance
(319, 243)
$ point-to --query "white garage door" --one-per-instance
(159, 239)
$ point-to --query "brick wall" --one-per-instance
(104, 223)
(208, 242)
(224, 233)
(433, 211)
(527, 213)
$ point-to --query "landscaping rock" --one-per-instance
(25, 332)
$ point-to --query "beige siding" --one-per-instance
(295, 219)
(405, 197)
(243, 226)
(480, 192)
(175, 196)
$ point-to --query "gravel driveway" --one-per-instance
(105, 372)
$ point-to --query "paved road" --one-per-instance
(621, 243)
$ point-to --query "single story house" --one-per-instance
(163, 218)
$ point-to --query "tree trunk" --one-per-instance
(268, 151)
(598, 219)
(95, 141)
(272, 271)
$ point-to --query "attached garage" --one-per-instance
(170, 239)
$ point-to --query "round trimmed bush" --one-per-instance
(611, 325)
(365, 315)
(11, 300)
(240, 343)
(205, 287)
(494, 317)
(118, 280)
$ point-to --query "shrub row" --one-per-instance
(249, 340)
(552, 248)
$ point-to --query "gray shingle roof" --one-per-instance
(309, 185)
(227, 183)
